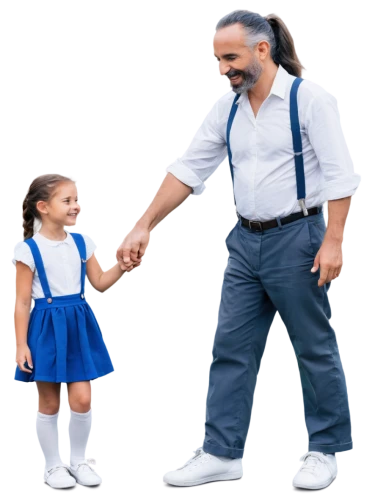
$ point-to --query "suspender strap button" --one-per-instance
(82, 296)
(49, 300)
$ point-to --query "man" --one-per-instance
(287, 156)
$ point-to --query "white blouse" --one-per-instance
(61, 261)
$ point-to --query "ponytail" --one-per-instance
(270, 28)
(283, 52)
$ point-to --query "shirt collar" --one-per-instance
(53, 243)
(280, 82)
(279, 85)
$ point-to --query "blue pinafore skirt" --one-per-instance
(63, 336)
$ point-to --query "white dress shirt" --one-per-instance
(262, 151)
(61, 261)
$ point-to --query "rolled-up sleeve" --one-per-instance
(203, 156)
(326, 137)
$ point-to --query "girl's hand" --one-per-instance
(24, 354)
(132, 249)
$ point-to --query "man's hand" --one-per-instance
(329, 259)
(171, 194)
(130, 252)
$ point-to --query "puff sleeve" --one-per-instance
(90, 241)
(22, 253)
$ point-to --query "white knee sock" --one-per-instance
(46, 428)
(79, 430)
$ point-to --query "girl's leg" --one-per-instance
(46, 422)
(79, 394)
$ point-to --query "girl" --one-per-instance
(61, 340)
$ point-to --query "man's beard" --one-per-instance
(250, 75)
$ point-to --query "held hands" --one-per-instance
(129, 254)
(329, 259)
(23, 354)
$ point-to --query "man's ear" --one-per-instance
(263, 49)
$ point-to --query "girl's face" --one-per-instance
(62, 208)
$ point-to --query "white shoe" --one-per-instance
(203, 468)
(317, 472)
(84, 474)
(59, 477)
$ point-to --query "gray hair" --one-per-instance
(271, 29)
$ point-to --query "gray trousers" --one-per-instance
(270, 271)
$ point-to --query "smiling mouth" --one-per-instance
(73, 215)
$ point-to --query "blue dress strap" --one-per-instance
(297, 145)
(81, 245)
(40, 267)
(232, 114)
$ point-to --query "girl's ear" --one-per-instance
(41, 206)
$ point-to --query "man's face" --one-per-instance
(236, 60)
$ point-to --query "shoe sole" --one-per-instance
(59, 490)
(83, 484)
(94, 487)
(61, 487)
(320, 487)
(298, 489)
(219, 477)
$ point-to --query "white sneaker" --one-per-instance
(317, 472)
(59, 477)
(203, 468)
(84, 474)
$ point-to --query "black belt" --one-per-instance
(269, 224)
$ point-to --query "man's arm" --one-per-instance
(324, 130)
(337, 213)
(340, 181)
(185, 176)
(329, 257)
(171, 194)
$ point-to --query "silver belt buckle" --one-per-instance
(256, 223)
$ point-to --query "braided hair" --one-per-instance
(40, 189)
